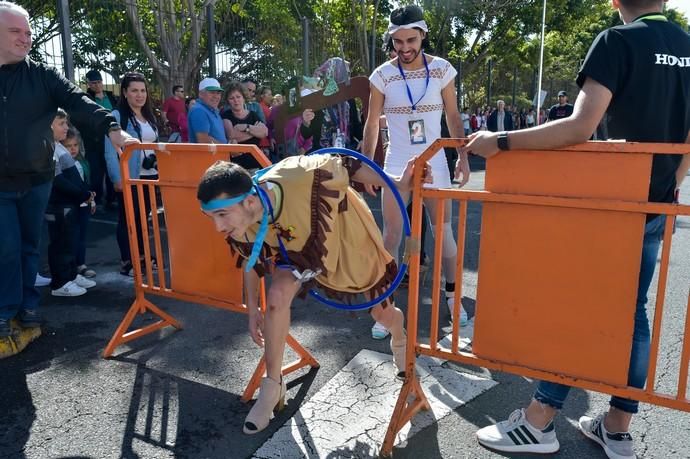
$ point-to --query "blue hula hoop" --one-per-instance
(406, 229)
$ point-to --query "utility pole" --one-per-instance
(514, 85)
(541, 61)
(305, 46)
(66, 36)
(488, 83)
(211, 24)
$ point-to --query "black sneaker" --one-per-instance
(5, 328)
(126, 268)
(30, 318)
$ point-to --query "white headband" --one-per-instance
(392, 28)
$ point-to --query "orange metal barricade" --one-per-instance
(197, 266)
(559, 262)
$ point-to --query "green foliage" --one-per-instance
(263, 39)
(103, 39)
(677, 17)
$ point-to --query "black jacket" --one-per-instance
(30, 94)
(68, 187)
(109, 94)
(93, 140)
(492, 122)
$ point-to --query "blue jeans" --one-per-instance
(554, 395)
(21, 223)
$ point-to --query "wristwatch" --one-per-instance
(502, 141)
(114, 127)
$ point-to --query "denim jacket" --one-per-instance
(112, 159)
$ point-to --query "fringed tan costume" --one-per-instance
(324, 225)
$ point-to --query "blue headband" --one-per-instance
(215, 204)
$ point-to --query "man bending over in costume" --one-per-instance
(302, 223)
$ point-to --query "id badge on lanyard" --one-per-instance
(416, 130)
(415, 123)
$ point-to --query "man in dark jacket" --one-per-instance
(93, 140)
(500, 119)
(30, 95)
(562, 109)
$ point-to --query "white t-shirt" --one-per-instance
(148, 135)
(412, 133)
(465, 121)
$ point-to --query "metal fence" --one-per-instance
(100, 34)
(170, 42)
(514, 84)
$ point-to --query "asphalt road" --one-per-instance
(177, 394)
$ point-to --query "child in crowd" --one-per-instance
(68, 192)
(87, 208)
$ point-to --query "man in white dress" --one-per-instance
(413, 90)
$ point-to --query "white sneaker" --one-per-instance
(450, 300)
(41, 281)
(516, 435)
(83, 282)
(378, 331)
(69, 289)
(617, 445)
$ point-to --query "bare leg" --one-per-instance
(392, 318)
(282, 291)
(617, 420)
(539, 414)
(392, 235)
(276, 326)
(449, 251)
(392, 222)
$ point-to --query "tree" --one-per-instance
(170, 33)
(44, 24)
(103, 39)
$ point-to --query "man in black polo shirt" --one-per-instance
(628, 69)
(562, 109)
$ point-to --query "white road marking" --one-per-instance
(352, 411)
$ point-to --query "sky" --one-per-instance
(682, 5)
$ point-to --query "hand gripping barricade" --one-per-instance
(197, 266)
(560, 245)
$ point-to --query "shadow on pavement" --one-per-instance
(191, 419)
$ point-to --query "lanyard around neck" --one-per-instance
(267, 205)
(263, 227)
(652, 17)
(407, 86)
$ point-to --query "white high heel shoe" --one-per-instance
(398, 349)
(271, 398)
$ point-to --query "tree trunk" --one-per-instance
(180, 58)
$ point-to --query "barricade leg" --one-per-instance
(410, 401)
(140, 306)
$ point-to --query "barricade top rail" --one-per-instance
(592, 146)
(234, 149)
